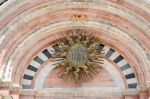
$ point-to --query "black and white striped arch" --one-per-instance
(110, 53)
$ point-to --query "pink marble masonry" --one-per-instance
(28, 27)
(104, 79)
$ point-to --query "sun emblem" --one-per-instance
(78, 56)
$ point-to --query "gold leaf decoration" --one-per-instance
(78, 56)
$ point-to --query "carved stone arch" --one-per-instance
(29, 27)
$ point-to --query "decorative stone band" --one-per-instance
(67, 94)
(48, 93)
(110, 53)
(130, 92)
(125, 67)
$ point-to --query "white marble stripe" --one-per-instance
(39, 81)
(29, 72)
(35, 64)
(106, 49)
(122, 62)
(128, 71)
(50, 49)
(114, 55)
(131, 81)
(114, 73)
(42, 56)
(26, 82)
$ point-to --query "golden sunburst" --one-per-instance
(78, 56)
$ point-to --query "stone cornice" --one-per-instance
(29, 92)
(47, 93)
(130, 92)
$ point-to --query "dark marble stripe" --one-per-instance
(100, 47)
(110, 52)
(47, 53)
(129, 76)
(125, 67)
(134, 85)
(32, 68)
(118, 59)
(26, 86)
(28, 77)
(2, 2)
(39, 60)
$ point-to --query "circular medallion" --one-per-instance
(77, 55)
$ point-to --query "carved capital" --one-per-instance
(15, 88)
(5, 84)
(7, 97)
(10, 87)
